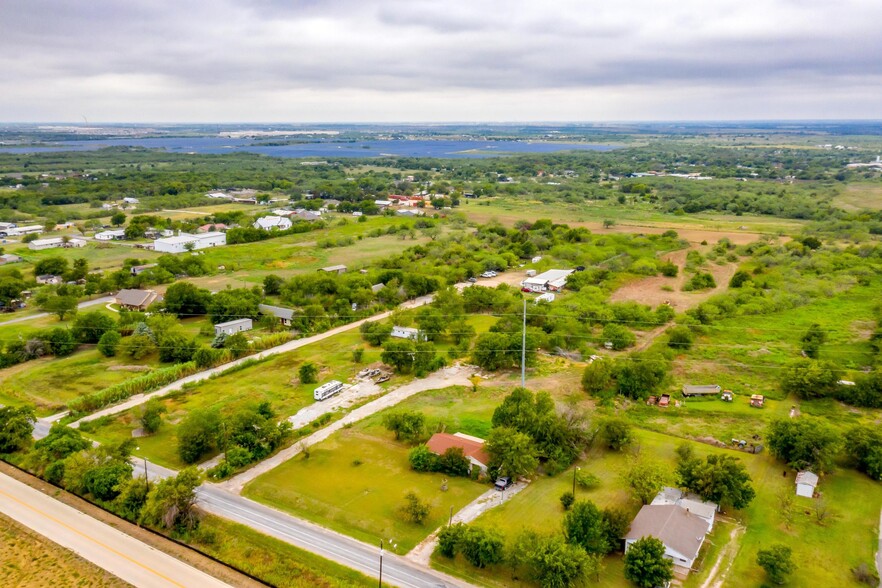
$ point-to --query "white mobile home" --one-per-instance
(327, 389)
(550, 281)
(407, 333)
(183, 241)
(19, 231)
(115, 235)
(273, 223)
(231, 327)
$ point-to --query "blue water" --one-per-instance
(323, 149)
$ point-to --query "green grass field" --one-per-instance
(355, 483)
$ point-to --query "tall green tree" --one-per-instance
(804, 443)
(172, 502)
(777, 561)
(719, 478)
(646, 564)
(511, 453)
(16, 425)
(583, 525)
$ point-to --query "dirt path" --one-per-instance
(489, 499)
(716, 578)
(443, 378)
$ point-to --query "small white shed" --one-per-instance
(806, 482)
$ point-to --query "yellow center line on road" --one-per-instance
(92, 539)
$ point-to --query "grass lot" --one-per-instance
(50, 382)
(860, 196)
(101, 256)
(361, 499)
(511, 209)
(746, 354)
(272, 560)
(29, 559)
(854, 499)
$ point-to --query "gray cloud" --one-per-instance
(490, 59)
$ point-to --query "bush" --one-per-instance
(567, 499)
(415, 509)
(680, 338)
(422, 459)
(308, 373)
(109, 343)
(616, 433)
(668, 269)
(619, 336)
(587, 480)
(700, 281)
(138, 385)
(777, 562)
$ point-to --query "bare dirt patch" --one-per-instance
(649, 290)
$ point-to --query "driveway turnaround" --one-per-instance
(118, 553)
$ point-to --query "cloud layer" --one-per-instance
(420, 60)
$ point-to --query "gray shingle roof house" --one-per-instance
(136, 299)
(681, 532)
(691, 502)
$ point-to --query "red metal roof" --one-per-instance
(441, 442)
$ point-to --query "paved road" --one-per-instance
(118, 553)
(81, 305)
(331, 545)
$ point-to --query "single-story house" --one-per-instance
(702, 390)
(74, 242)
(307, 215)
(806, 482)
(272, 223)
(407, 333)
(681, 532)
(129, 200)
(691, 502)
(115, 235)
(231, 327)
(9, 258)
(334, 269)
(136, 299)
(180, 242)
(472, 447)
(219, 196)
(550, 281)
(212, 227)
(50, 243)
(383, 203)
(49, 280)
(547, 297)
(285, 315)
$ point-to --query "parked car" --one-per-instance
(525, 289)
(502, 483)
(488, 275)
(473, 279)
(383, 378)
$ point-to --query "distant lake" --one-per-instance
(323, 148)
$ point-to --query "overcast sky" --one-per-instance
(442, 60)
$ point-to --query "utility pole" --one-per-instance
(524, 349)
(146, 479)
(381, 563)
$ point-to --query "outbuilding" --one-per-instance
(806, 482)
(231, 327)
(115, 235)
(407, 333)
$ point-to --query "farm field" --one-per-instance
(860, 196)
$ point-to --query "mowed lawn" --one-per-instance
(49, 383)
(355, 483)
(824, 553)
